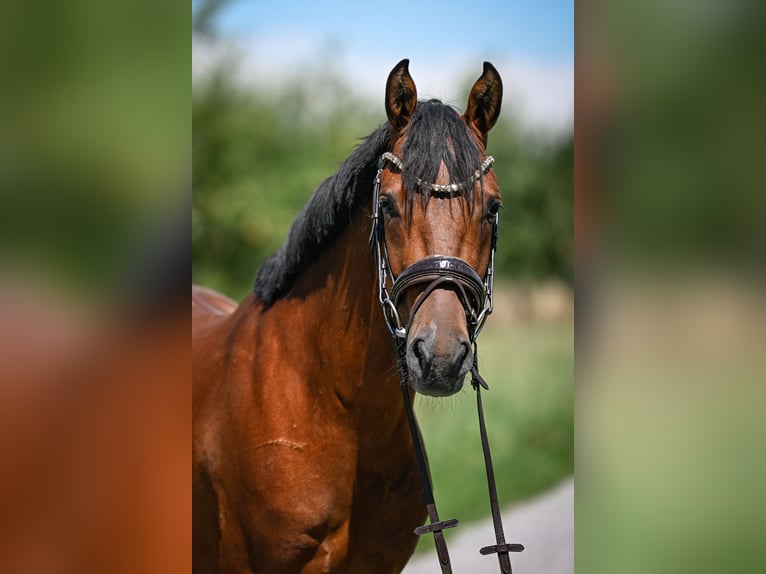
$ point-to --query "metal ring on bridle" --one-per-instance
(392, 319)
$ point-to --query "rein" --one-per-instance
(475, 294)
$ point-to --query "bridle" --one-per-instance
(475, 294)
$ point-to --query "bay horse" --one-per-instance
(302, 456)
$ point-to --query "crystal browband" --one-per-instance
(450, 189)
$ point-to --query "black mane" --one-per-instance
(323, 218)
(436, 134)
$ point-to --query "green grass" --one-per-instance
(530, 421)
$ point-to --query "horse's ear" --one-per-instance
(485, 100)
(401, 95)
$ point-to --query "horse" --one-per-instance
(303, 461)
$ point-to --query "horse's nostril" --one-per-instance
(460, 364)
(419, 349)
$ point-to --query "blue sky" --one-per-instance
(540, 29)
(530, 42)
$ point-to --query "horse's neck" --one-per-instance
(334, 312)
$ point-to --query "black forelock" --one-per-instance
(436, 133)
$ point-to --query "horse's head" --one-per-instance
(437, 205)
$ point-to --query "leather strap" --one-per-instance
(436, 526)
(501, 548)
(442, 266)
(433, 286)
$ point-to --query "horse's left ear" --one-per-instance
(485, 100)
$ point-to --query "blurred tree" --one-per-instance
(203, 15)
(257, 157)
(537, 224)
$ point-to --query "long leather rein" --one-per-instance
(475, 294)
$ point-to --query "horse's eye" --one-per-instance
(387, 206)
(493, 209)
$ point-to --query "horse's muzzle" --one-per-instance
(438, 362)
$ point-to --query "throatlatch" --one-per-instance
(476, 298)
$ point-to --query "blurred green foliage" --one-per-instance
(670, 354)
(258, 155)
(536, 235)
(94, 138)
(678, 127)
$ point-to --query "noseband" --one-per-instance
(475, 294)
(436, 271)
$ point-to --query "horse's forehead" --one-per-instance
(443, 175)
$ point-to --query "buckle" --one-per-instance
(436, 526)
(498, 548)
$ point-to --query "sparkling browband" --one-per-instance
(449, 190)
(394, 160)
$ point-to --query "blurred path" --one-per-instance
(544, 524)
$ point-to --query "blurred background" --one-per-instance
(671, 320)
(94, 269)
(281, 97)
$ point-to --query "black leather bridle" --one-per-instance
(475, 294)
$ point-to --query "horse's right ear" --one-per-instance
(401, 96)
